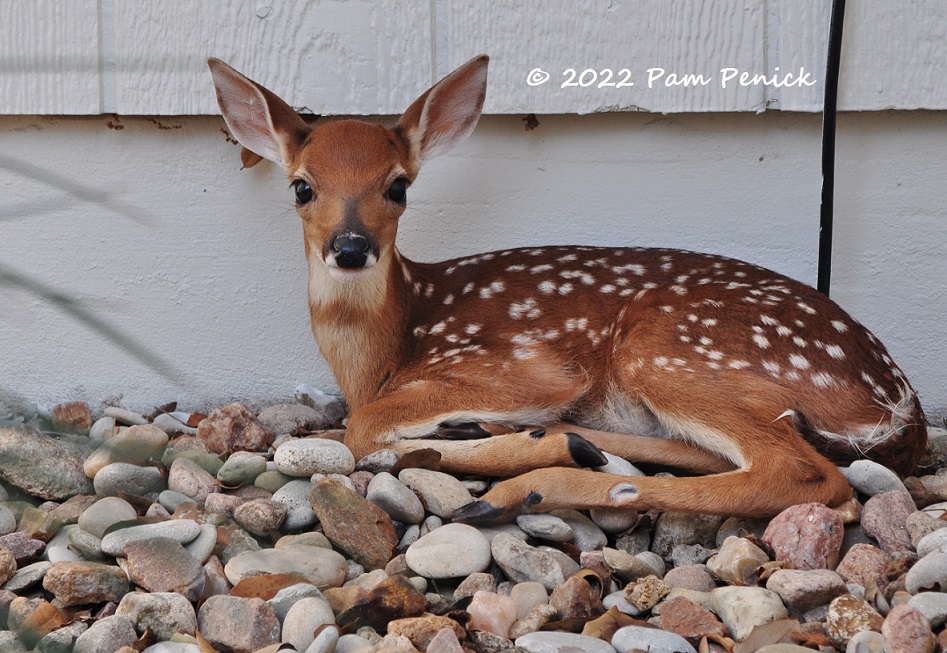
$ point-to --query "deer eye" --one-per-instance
(398, 190)
(303, 191)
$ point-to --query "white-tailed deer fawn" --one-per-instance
(526, 363)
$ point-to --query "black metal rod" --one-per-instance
(829, 105)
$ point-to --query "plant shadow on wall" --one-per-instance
(12, 405)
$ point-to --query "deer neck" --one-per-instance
(360, 322)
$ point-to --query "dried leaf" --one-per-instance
(811, 640)
(420, 458)
(195, 419)
(774, 632)
(767, 569)
(248, 158)
(725, 642)
(530, 122)
(606, 625)
(593, 578)
(266, 586)
(166, 408)
(202, 644)
(44, 619)
(147, 639)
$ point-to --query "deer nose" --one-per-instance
(351, 251)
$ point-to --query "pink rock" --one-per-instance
(691, 577)
(809, 536)
(445, 641)
(492, 612)
(906, 630)
(885, 519)
(865, 565)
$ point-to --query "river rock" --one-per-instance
(308, 456)
(930, 573)
(638, 638)
(744, 608)
(136, 445)
(849, 615)
(303, 618)
(233, 428)
(106, 635)
(441, 494)
(737, 561)
(453, 550)
(292, 419)
(125, 479)
(323, 568)
(190, 479)
(558, 642)
(522, 562)
(77, 583)
(394, 497)
(180, 530)
(238, 624)
(865, 565)
(804, 589)
(884, 518)
(241, 469)
(545, 527)
(354, 524)
(906, 630)
(39, 465)
(675, 529)
(871, 478)
(160, 564)
(808, 536)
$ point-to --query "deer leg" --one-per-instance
(401, 420)
(771, 479)
(659, 451)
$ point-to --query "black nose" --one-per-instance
(351, 251)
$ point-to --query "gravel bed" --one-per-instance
(241, 531)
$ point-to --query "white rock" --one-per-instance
(868, 477)
(632, 638)
(440, 493)
(930, 573)
(454, 550)
(614, 520)
(295, 496)
(933, 605)
(308, 456)
(619, 466)
(546, 527)
(522, 562)
(394, 497)
(326, 642)
(180, 530)
(935, 541)
(123, 416)
(557, 642)
(744, 608)
(103, 429)
(303, 618)
(323, 568)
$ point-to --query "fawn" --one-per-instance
(528, 363)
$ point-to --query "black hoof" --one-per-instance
(482, 513)
(584, 453)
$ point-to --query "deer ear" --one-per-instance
(448, 112)
(256, 117)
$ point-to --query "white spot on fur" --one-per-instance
(799, 341)
(527, 308)
(761, 341)
(799, 362)
(565, 289)
(840, 326)
(438, 328)
(516, 268)
(738, 365)
(468, 288)
(487, 292)
(547, 287)
(805, 307)
(823, 380)
(835, 352)
(607, 289)
(536, 269)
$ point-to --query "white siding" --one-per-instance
(372, 57)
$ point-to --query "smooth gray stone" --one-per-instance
(649, 639)
(556, 642)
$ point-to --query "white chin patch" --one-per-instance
(348, 274)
